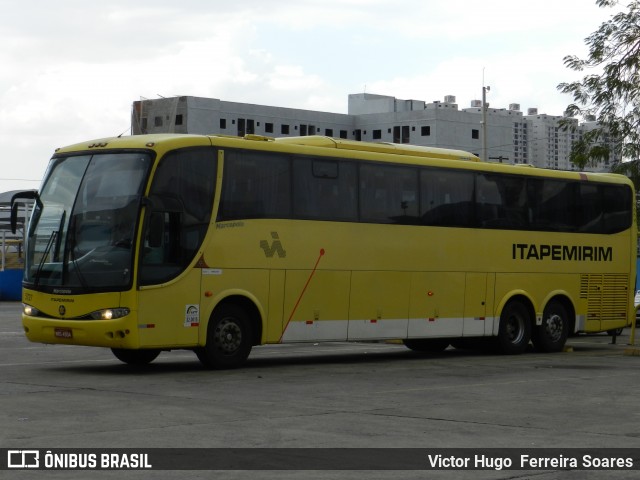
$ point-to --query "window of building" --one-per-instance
(157, 121)
(405, 134)
(179, 119)
(377, 134)
(425, 131)
(343, 134)
(268, 127)
(475, 133)
(223, 123)
(284, 129)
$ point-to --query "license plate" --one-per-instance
(63, 332)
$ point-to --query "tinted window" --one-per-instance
(388, 194)
(617, 214)
(501, 201)
(446, 197)
(255, 186)
(553, 204)
(181, 201)
(262, 185)
(586, 208)
(325, 190)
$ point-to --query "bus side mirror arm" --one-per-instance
(27, 195)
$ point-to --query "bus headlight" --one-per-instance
(109, 313)
(30, 311)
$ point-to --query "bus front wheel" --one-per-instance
(229, 338)
(135, 357)
(552, 334)
(514, 332)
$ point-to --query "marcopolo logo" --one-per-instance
(275, 247)
(23, 459)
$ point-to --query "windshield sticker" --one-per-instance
(192, 316)
(211, 271)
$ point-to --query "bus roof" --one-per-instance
(382, 147)
(169, 141)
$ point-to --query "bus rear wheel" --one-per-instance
(552, 334)
(514, 332)
(229, 338)
(426, 345)
(135, 357)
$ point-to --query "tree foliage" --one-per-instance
(611, 93)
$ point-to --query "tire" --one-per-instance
(135, 357)
(229, 339)
(552, 334)
(514, 332)
(427, 345)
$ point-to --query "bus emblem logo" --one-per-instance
(275, 247)
(62, 310)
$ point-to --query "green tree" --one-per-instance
(611, 93)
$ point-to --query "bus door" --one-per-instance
(176, 222)
(169, 300)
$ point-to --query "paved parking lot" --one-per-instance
(333, 395)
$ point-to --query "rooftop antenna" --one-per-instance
(485, 89)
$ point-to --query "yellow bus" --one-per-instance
(217, 244)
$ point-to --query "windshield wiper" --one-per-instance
(52, 240)
(71, 250)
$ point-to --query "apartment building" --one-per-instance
(511, 136)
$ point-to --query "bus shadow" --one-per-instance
(167, 365)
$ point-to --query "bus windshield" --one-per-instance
(81, 237)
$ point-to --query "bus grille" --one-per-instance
(607, 295)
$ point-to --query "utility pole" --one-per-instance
(484, 121)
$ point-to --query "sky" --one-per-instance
(71, 69)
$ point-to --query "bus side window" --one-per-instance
(181, 200)
(617, 208)
(161, 240)
(502, 201)
(324, 190)
(255, 185)
(546, 195)
(389, 194)
(446, 198)
(588, 218)
(488, 201)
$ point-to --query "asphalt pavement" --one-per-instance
(320, 396)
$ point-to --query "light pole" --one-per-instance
(484, 122)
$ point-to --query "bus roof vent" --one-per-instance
(379, 147)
